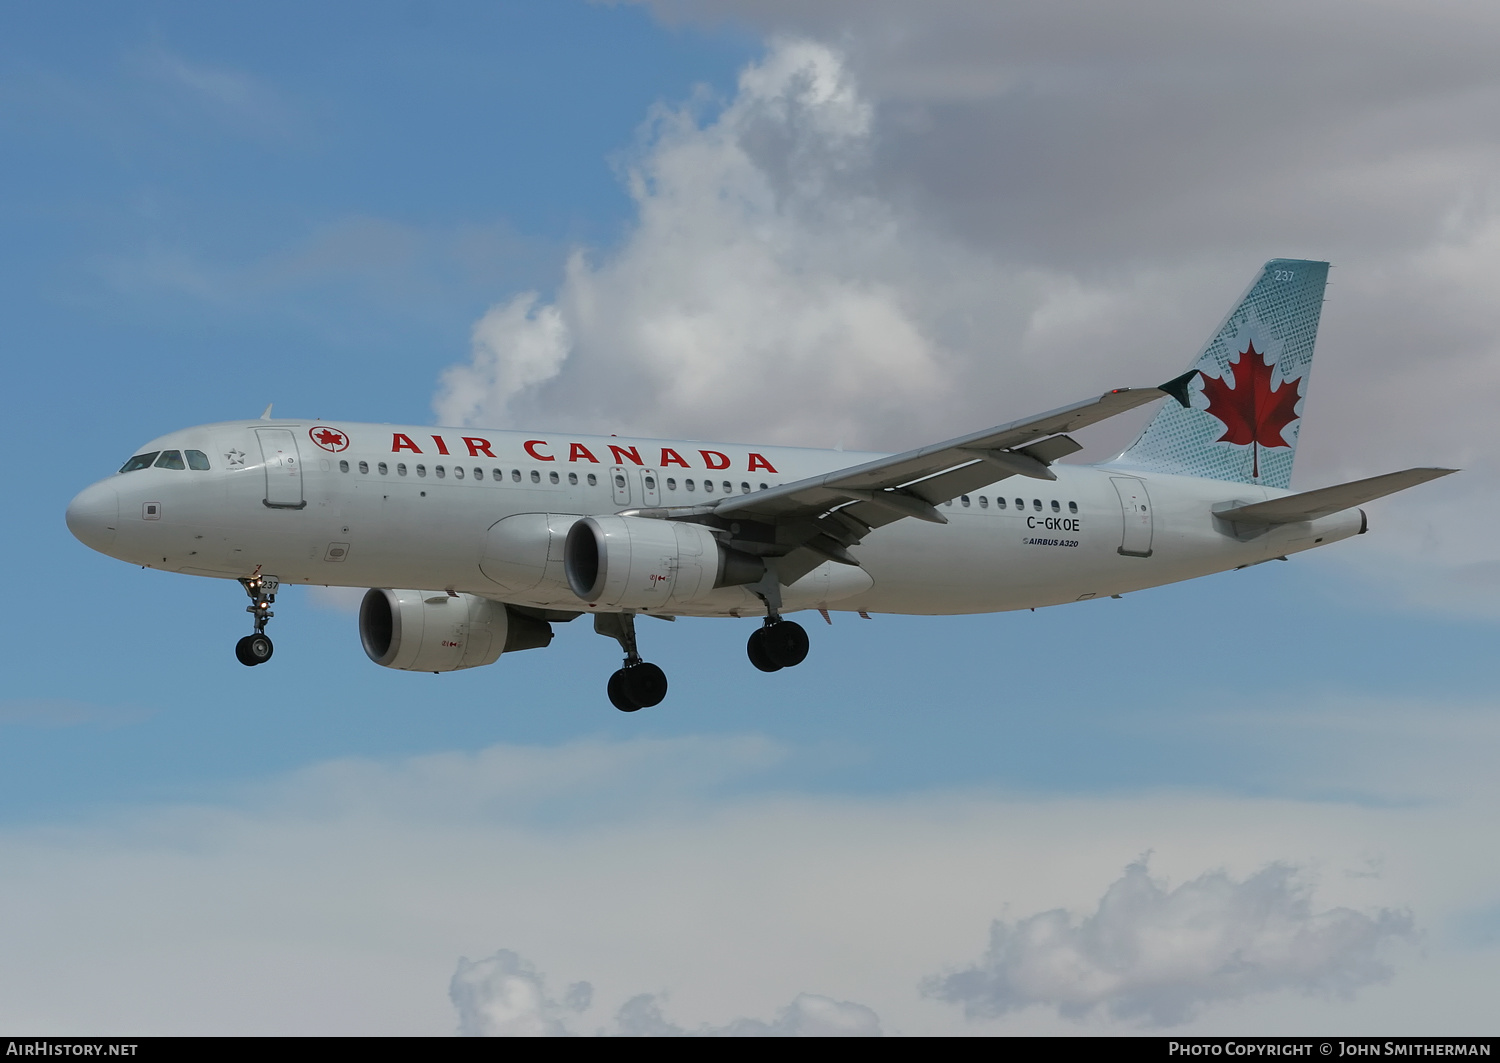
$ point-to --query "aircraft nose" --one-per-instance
(94, 515)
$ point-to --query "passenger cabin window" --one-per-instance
(999, 503)
(1036, 504)
(196, 459)
(515, 474)
(688, 484)
(1056, 506)
(553, 477)
(964, 499)
(708, 485)
(536, 477)
(478, 473)
(984, 503)
(671, 483)
(619, 481)
(763, 487)
(421, 470)
(1020, 503)
(650, 483)
(728, 488)
(364, 466)
(572, 478)
(170, 459)
(744, 489)
(1072, 507)
(383, 468)
(401, 468)
(439, 471)
(593, 480)
(140, 461)
(496, 475)
(458, 472)
(343, 466)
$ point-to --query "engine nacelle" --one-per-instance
(433, 631)
(643, 563)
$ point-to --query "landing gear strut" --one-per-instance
(638, 685)
(778, 643)
(256, 649)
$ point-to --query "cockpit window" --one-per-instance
(170, 459)
(140, 461)
(197, 460)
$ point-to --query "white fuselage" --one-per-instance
(417, 508)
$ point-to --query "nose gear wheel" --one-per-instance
(256, 649)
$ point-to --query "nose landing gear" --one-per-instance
(257, 649)
(639, 684)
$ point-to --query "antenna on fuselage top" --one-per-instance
(267, 415)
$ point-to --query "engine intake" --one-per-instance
(643, 563)
(433, 631)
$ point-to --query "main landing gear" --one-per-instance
(639, 684)
(777, 645)
(256, 649)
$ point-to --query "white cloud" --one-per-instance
(1161, 955)
(975, 211)
(504, 996)
(336, 899)
(806, 1016)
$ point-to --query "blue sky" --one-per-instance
(358, 212)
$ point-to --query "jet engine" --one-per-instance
(643, 563)
(434, 631)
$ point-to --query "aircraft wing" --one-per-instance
(1310, 505)
(818, 518)
(910, 484)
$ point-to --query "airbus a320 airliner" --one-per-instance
(476, 542)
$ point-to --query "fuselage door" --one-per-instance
(619, 482)
(1135, 507)
(650, 488)
(278, 449)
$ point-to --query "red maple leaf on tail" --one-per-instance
(1253, 413)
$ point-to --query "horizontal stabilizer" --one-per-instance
(1310, 505)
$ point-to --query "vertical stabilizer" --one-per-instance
(1244, 407)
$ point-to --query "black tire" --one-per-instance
(785, 643)
(253, 649)
(756, 648)
(617, 694)
(645, 684)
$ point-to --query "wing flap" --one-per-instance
(930, 471)
(1310, 505)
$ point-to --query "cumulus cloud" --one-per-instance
(1160, 955)
(806, 1016)
(504, 996)
(761, 280)
(973, 211)
(345, 891)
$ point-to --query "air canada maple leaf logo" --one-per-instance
(329, 438)
(1254, 413)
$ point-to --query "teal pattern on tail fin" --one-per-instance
(1244, 409)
